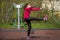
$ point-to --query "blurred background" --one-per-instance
(8, 14)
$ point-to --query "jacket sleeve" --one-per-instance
(35, 9)
(29, 9)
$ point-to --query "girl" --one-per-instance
(27, 10)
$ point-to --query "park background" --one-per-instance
(8, 13)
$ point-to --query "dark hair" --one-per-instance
(26, 5)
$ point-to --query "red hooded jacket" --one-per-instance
(27, 11)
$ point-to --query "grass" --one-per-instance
(34, 25)
(44, 25)
(5, 25)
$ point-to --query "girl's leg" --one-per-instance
(29, 29)
(45, 18)
(36, 19)
(29, 26)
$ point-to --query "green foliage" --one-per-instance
(37, 25)
(8, 13)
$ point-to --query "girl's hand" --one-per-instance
(44, 8)
(41, 8)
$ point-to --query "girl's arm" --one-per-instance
(35, 9)
(29, 9)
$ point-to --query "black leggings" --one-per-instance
(28, 20)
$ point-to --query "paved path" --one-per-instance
(10, 34)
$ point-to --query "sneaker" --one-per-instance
(28, 38)
(45, 18)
